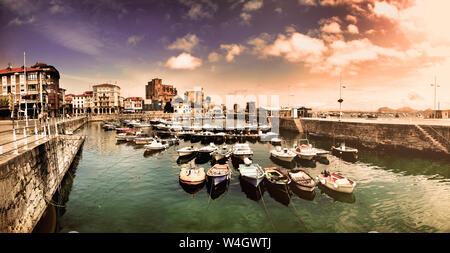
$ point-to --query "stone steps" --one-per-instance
(432, 139)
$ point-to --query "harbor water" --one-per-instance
(120, 188)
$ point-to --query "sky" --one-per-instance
(385, 53)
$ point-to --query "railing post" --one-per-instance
(56, 129)
(25, 138)
(16, 152)
(36, 133)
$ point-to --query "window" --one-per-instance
(32, 76)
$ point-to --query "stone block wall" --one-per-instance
(29, 180)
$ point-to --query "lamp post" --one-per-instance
(435, 91)
(340, 100)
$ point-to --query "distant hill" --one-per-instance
(399, 110)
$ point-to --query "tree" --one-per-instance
(168, 108)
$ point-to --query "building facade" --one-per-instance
(83, 103)
(156, 90)
(41, 78)
(133, 104)
(106, 98)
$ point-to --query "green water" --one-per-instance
(116, 188)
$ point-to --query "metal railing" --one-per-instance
(23, 135)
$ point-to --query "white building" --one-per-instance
(133, 104)
(106, 98)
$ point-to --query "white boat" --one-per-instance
(187, 151)
(221, 153)
(304, 150)
(265, 128)
(161, 126)
(242, 151)
(253, 173)
(176, 127)
(156, 145)
(336, 182)
(68, 132)
(207, 150)
(285, 154)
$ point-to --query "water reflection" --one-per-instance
(215, 191)
(279, 193)
(191, 189)
(303, 194)
(252, 192)
(185, 159)
(337, 196)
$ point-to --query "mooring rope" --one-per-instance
(265, 208)
(295, 210)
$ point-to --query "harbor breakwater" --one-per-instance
(419, 137)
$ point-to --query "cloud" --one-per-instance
(134, 40)
(246, 17)
(80, 37)
(307, 2)
(200, 9)
(351, 19)
(385, 9)
(183, 61)
(252, 5)
(17, 21)
(186, 43)
(353, 29)
(278, 10)
(414, 96)
(232, 51)
(293, 47)
(213, 57)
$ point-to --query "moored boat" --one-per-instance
(187, 151)
(156, 145)
(304, 150)
(336, 182)
(242, 151)
(285, 154)
(222, 153)
(218, 173)
(207, 150)
(252, 173)
(276, 177)
(191, 175)
(345, 152)
(301, 180)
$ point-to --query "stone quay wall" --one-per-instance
(29, 180)
(420, 137)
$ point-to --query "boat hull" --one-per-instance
(284, 158)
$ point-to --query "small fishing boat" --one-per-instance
(207, 150)
(304, 150)
(187, 151)
(156, 145)
(143, 139)
(285, 154)
(191, 175)
(222, 153)
(124, 130)
(336, 182)
(276, 177)
(345, 152)
(252, 173)
(242, 151)
(301, 180)
(68, 132)
(219, 173)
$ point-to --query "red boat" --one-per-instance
(124, 130)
